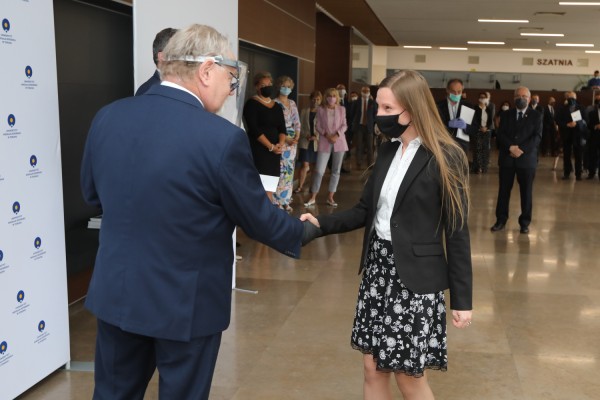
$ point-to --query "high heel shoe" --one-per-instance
(298, 190)
(332, 203)
(309, 203)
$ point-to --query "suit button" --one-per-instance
(394, 224)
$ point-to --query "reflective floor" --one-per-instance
(536, 309)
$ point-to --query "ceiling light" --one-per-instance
(453, 48)
(527, 49)
(574, 45)
(417, 47)
(476, 42)
(593, 51)
(578, 3)
(543, 34)
(510, 21)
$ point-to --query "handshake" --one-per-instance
(312, 229)
(457, 123)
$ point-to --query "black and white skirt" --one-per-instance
(404, 331)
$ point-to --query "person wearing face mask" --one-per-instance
(594, 82)
(450, 111)
(518, 137)
(265, 126)
(484, 118)
(573, 133)
(283, 195)
(330, 126)
(549, 146)
(345, 102)
(535, 103)
(414, 208)
(505, 106)
(363, 124)
(309, 140)
(594, 135)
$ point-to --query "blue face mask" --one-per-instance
(285, 91)
(454, 97)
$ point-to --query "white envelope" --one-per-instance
(461, 135)
(576, 115)
(269, 182)
(466, 114)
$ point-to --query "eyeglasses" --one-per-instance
(221, 62)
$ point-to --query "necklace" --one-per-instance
(264, 101)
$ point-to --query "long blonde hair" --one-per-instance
(411, 90)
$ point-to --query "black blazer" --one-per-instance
(490, 117)
(594, 120)
(428, 257)
(526, 133)
(549, 119)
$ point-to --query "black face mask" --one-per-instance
(571, 102)
(520, 103)
(389, 125)
(266, 91)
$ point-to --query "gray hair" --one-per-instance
(191, 42)
(523, 87)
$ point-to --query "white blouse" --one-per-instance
(391, 185)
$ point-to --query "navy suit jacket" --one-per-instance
(173, 181)
(153, 80)
(428, 256)
(357, 113)
(526, 133)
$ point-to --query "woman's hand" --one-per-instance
(461, 319)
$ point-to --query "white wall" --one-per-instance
(150, 17)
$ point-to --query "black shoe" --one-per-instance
(524, 229)
(498, 226)
(344, 171)
(591, 176)
(565, 177)
(578, 178)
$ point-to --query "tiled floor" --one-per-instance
(536, 318)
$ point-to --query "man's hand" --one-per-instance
(515, 151)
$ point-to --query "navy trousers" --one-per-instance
(125, 362)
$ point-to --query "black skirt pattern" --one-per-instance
(404, 331)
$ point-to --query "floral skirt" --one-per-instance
(404, 331)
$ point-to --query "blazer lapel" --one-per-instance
(386, 161)
(421, 159)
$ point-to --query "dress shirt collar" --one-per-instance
(176, 86)
(416, 141)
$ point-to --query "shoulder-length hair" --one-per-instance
(330, 92)
(412, 92)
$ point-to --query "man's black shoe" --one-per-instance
(498, 226)
(344, 171)
(578, 178)
(524, 229)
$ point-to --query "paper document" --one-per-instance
(462, 135)
(269, 182)
(467, 114)
(576, 115)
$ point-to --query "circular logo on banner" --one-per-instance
(3, 347)
(16, 207)
(20, 296)
(37, 242)
(11, 120)
(41, 326)
(6, 25)
(33, 160)
(1, 255)
(28, 71)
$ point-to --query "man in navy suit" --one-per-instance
(363, 125)
(450, 110)
(518, 138)
(160, 41)
(173, 180)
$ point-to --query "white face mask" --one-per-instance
(365, 95)
(505, 108)
(342, 92)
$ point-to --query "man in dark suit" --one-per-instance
(450, 111)
(549, 145)
(363, 125)
(535, 103)
(518, 136)
(160, 41)
(173, 180)
(594, 141)
(572, 134)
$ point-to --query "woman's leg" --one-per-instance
(322, 159)
(336, 166)
(376, 383)
(303, 172)
(414, 388)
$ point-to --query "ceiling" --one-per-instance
(454, 22)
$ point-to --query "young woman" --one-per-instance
(309, 140)
(414, 210)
